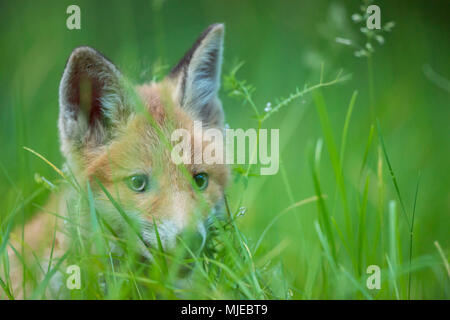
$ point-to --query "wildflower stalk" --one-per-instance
(298, 94)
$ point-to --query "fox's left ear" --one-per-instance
(197, 77)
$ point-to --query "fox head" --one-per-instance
(118, 135)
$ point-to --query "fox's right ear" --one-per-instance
(91, 100)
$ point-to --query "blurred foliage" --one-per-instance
(283, 45)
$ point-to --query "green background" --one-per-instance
(283, 45)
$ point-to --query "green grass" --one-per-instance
(347, 194)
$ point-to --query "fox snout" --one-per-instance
(193, 236)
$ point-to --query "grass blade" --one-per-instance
(332, 150)
(411, 234)
(324, 217)
(346, 125)
(391, 171)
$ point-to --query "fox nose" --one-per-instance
(195, 237)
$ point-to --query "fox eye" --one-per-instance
(138, 183)
(201, 180)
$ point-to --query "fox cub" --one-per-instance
(115, 139)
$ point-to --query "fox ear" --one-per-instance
(198, 76)
(91, 99)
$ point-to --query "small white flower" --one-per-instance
(356, 17)
(360, 53)
(241, 211)
(388, 26)
(347, 42)
(379, 38)
(369, 47)
(268, 107)
(364, 30)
